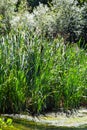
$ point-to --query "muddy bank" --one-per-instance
(77, 119)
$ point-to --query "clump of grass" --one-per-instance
(38, 74)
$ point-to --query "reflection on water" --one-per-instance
(25, 125)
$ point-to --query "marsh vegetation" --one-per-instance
(43, 56)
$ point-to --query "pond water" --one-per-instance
(26, 125)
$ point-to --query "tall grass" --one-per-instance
(40, 75)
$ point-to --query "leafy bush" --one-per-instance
(5, 124)
(81, 2)
(30, 4)
(68, 18)
(34, 3)
(84, 30)
(64, 18)
(6, 11)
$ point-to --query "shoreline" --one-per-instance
(77, 119)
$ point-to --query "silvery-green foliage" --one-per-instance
(64, 17)
(7, 7)
(45, 20)
(40, 20)
(6, 11)
(69, 18)
(34, 3)
(40, 14)
(84, 16)
(10, 18)
(23, 20)
(21, 6)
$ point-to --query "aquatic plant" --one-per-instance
(40, 75)
(5, 123)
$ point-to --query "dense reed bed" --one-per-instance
(40, 75)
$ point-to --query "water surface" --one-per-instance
(26, 125)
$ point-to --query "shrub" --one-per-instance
(68, 19)
(84, 30)
(21, 6)
(34, 3)
(81, 2)
(6, 12)
(65, 18)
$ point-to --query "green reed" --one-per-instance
(40, 75)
